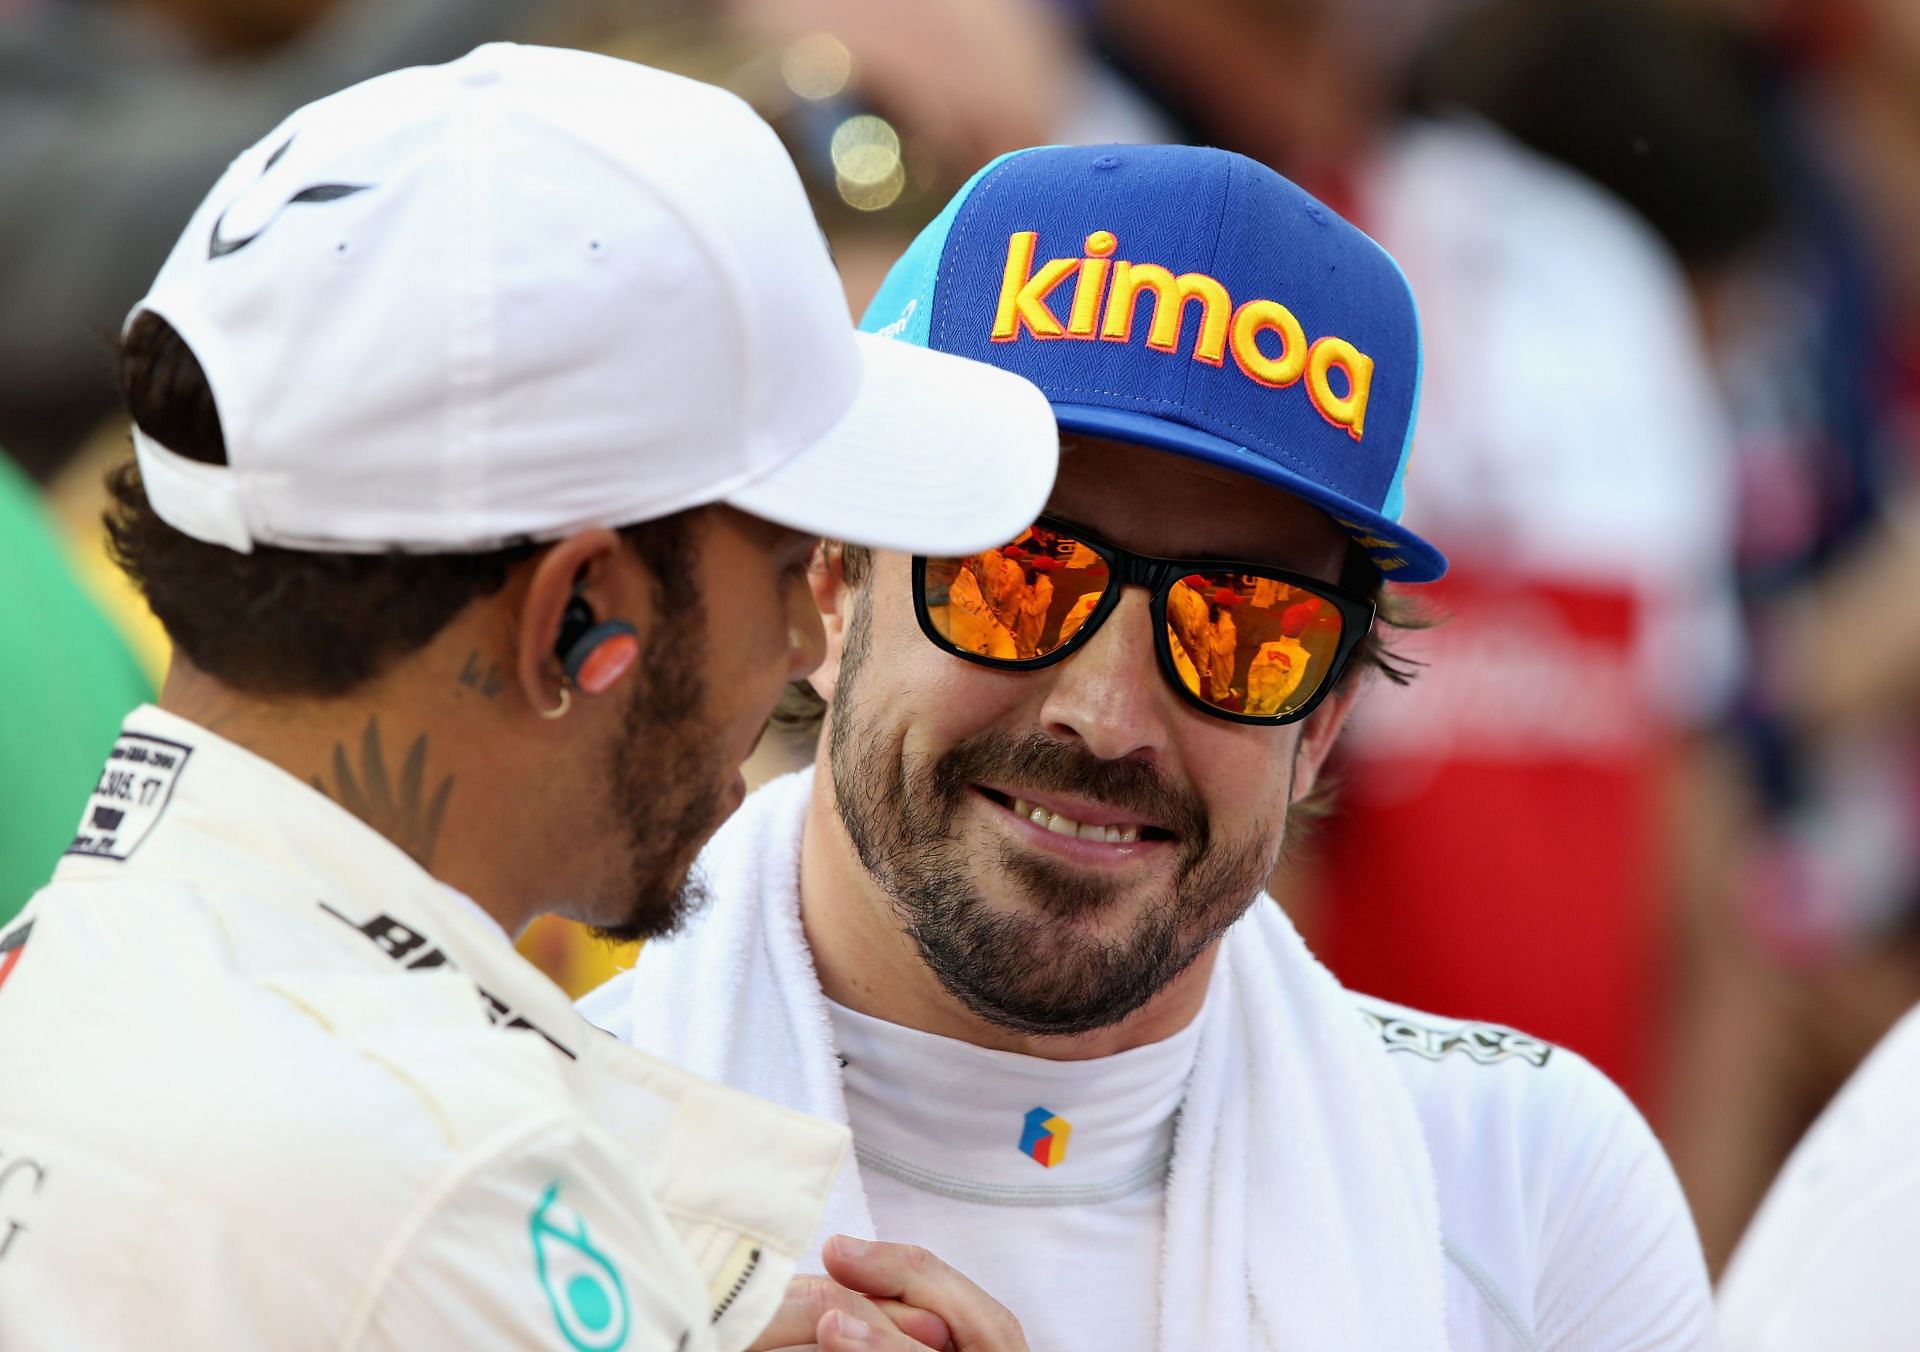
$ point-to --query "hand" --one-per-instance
(916, 1280)
(811, 1301)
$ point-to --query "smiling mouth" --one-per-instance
(1063, 825)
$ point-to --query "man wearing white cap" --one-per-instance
(485, 418)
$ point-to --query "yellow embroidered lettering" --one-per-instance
(1268, 316)
(1216, 309)
(1170, 297)
(1223, 328)
(1093, 280)
(1129, 280)
(1348, 410)
(1023, 293)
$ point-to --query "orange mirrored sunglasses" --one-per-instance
(1242, 641)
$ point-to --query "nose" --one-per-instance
(1110, 695)
(806, 635)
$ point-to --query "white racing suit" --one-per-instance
(264, 1082)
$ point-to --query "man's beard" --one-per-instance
(665, 784)
(1032, 974)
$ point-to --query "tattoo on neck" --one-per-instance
(402, 812)
(488, 683)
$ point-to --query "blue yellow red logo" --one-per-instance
(1045, 1137)
(11, 947)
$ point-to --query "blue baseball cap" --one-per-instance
(1191, 300)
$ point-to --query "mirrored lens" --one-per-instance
(1250, 645)
(1019, 602)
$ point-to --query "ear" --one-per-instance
(587, 563)
(827, 579)
(1318, 734)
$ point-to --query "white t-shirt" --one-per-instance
(962, 1146)
(1828, 1262)
(1563, 1224)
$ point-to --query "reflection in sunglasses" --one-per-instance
(1002, 603)
(1277, 671)
(1077, 615)
(1240, 642)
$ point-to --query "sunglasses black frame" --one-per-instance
(1157, 576)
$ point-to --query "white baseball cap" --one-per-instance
(532, 291)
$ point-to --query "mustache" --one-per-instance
(1038, 761)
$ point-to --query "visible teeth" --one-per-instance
(1067, 826)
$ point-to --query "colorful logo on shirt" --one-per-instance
(12, 945)
(1045, 1137)
(589, 1300)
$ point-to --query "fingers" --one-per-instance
(810, 1299)
(841, 1332)
(925, 1327)
(908, 1273)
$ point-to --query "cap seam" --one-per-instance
(1149, 401)
(1213, 264)
(949, 262)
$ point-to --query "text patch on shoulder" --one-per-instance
(134, 789)
(1487, 1043)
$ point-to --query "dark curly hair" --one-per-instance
(281, 622)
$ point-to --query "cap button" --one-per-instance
(479, 74)
(1107, 162)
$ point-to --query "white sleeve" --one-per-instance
(547, 1244)
(1850, 1289)
(1828, 1261)
(1621, 1263)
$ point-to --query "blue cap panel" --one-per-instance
(1253, 324)
(903, 306)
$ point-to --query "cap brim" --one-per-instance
(1400, 555)
(938, 455)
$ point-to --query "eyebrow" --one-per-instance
(1198, 555)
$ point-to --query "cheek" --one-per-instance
(1241, 773)
(747, 652)
(926, 699)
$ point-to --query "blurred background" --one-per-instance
(1656, 793)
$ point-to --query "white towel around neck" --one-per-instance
(1301, 1207)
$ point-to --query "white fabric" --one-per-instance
(533, 290)
(1828, 1261)
(1304, 1180)
(264, 1082)
(939, 1124)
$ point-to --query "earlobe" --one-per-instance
(568, 598)
(827, 580)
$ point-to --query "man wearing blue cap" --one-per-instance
(1010, 926)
